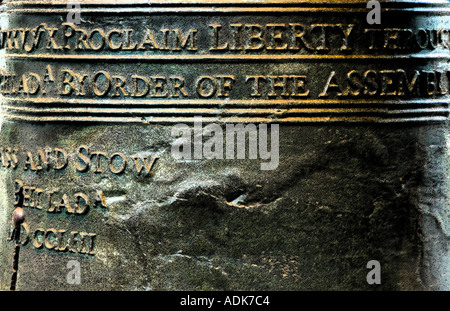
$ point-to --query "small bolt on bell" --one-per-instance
(18, 217)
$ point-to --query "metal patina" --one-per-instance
(88, 173)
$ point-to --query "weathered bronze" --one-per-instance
(89, 109)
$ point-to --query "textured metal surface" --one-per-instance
(362, 173)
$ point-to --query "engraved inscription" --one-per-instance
(242, 37)
(57, 201)
(393, 82)
(85, 160)
(53, 201)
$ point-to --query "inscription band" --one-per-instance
(333, 87)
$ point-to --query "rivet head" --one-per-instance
(18, 216)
